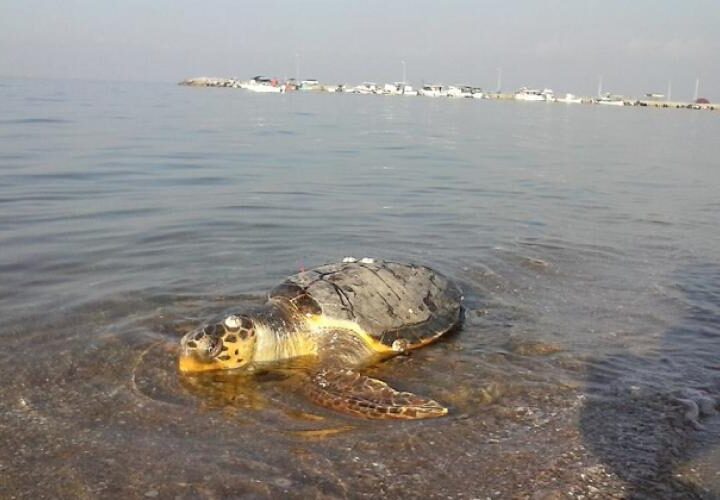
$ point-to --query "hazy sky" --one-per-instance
(636, 45)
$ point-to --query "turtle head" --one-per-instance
(226, 345)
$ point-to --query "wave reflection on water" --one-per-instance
(589, 267)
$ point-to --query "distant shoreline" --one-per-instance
(267, 85)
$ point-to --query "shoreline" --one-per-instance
(292, 86)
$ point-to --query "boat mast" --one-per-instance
(600, 87)
(697, 89)
(297, 68)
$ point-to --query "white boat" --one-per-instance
(391, 89)
(263, 84)
(569, 99)
(399, 88)
(610, 100)
(526, 94)
(366, 88)
(477, 93)
(310, 84)
(261, 87)
(409, 90)
(464, 91)
(432, 91)
(453, 91)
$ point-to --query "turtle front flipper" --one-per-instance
(350, 392)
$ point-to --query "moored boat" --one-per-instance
(569, 99)
(264, 84)
(432, 90)
(408, 90)
(526, 94)
(366, 88)
(610, 100)
(310, 84)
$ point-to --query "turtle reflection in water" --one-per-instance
(331, 322)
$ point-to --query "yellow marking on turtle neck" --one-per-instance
(277, 346)
(321, 323)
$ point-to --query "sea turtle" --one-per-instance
(332, 321)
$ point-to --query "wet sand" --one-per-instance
(112, 417)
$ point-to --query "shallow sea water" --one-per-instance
(585, 240)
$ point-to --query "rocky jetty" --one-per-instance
(205, 81)
(280, 86)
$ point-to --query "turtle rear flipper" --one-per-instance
(350, 392)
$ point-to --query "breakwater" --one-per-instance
(261, 84)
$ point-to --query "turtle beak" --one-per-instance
(202, 344)
(198, 352)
